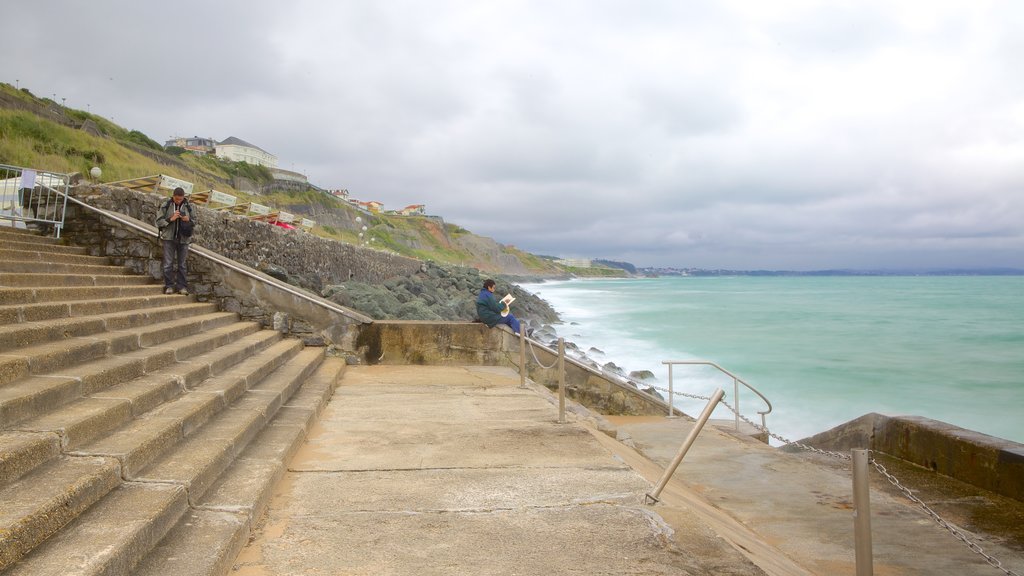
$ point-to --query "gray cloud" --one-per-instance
(734, 134)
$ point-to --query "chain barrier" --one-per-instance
(533, 353)
(959, 535)
(673, 392)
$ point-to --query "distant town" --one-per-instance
(238, 150)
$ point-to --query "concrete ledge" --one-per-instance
(978, 459)
(397, 342)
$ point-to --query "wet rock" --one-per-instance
(650, 390)
(613, 368)
(595, 351)
(641, 375)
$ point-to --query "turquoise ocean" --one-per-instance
(823, 349)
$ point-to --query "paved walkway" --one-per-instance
(457, 470)
(441, 470)
(802, 503)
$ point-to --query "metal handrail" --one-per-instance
(736, 387)
(213, 257)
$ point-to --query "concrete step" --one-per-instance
(21, 452)
(10, 254)
(143, 440)
(88, 418)
(143, 378)
(20, 313)
(110, 538)
(130, 332)
(14, 337)
(60, 267)
(198, 461)
(30, 243)
(37, 295)
(208, 539)
(39, 514)
(42, 502)
(20, 235)
(46, 279)
(33, 396)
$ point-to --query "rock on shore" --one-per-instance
(435, 292)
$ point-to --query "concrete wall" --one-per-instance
(985, 461)
(452, 343)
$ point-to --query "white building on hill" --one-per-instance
(238, 150)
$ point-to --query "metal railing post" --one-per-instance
(670, 415)
(561, 380)
(697, 427)
(862, 513)
(522, 356)
(736, 400)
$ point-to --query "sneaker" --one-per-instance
(168, 290)
(183, 291)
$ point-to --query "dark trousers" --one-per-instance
(172, 249)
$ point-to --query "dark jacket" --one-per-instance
(488, 308)
(171, 230)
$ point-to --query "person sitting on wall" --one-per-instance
(175, 220)
(491, 311)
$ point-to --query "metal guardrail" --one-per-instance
(213, 257)
(33, 196)
(736, 387)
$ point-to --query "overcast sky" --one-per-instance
(732, 134)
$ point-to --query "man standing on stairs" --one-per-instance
(175, 220)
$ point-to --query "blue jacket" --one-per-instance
(488, 308)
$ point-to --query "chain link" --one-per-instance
(952, 529)
(529, 344)
(959, 535)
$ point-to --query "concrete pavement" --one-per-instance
(802, 504)
(457, 470)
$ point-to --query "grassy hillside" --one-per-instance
(40, 133)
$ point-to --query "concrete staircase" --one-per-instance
(140, 433)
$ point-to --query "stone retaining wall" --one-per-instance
(255, 246)
(984, 461)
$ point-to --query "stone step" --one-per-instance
(36, 279)
(208, 539)
(112, 537)
(37, 295)
(197, 462)
(20, 235)
(20, 313)
(86, 419)
(53, 357)
(21, 452)
(61, 267)
(143, 440)
(29, 243)
(45, 257)
(144, 376)
(42, 502)
(15, 337)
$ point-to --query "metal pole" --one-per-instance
(561, 380)
(697, 427)
(862, 513)
(736, 399)
(522, 356)
(669, 390)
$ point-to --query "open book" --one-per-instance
(507, 300)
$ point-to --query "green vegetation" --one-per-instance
(595, 272)
(46, 136)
